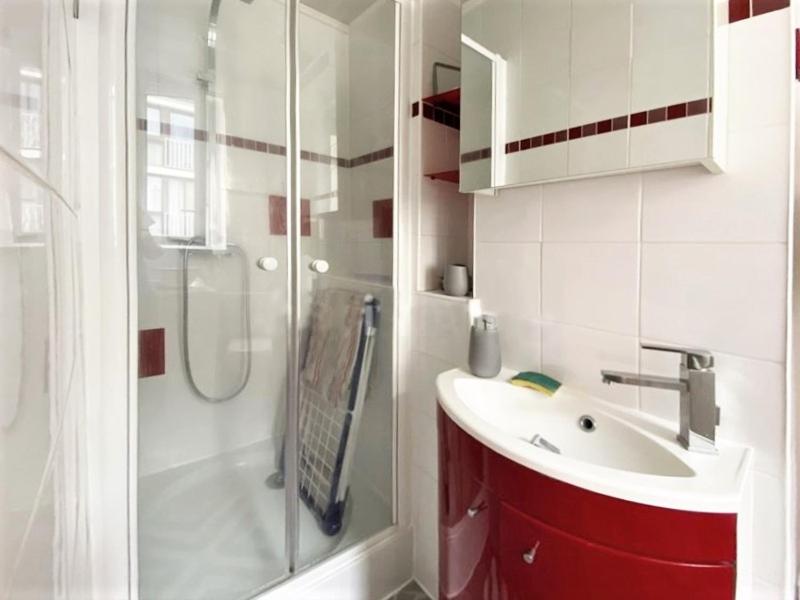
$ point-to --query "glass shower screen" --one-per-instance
(264, 250)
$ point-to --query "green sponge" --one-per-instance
(536, 381)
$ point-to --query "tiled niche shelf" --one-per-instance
(444, 108)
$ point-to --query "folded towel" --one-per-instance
(336, 323)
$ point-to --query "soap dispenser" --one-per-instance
(484, 347)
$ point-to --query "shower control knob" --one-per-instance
(267, 263)
(319, 266)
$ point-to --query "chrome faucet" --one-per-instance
(699, 413)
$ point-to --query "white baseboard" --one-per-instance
(370, 570)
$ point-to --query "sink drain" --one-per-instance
(586, 422)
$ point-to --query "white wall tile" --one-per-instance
(439, 147)
(769, 528)
(426, 527)
(512, 216)
(496, 267)
(545, 162)
(424, 453)
(751, 396)
(592, 285)
(604, 209)
(575, 356)
(422, 381)
(749, 202)
(520, 343)
(441, 328)
(432, 258)
(671, 46)
(725, 297)
(598, 153)
(681, 140)
(442, 26)
(760, 65)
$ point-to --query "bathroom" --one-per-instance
(216, 213)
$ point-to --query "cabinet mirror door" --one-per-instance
(564, 90)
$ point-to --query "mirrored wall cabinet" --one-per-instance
(557, 89)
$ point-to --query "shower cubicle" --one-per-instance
(262, 161)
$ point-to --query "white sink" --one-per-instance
(618, 452)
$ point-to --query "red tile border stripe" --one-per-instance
(648, 117)
(474, 155)
(234, 141)
(438, 114)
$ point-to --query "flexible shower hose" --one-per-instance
(187, 363)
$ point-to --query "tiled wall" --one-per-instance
(581, 272)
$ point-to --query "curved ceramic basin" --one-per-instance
(626, 454)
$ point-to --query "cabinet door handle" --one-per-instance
(530, 556)
(473, 511)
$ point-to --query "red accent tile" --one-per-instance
(676, 111)
(525, 144)
(657, 115)
(561, 136)
(151, 352)
(427, 111)
(537, 141)
(277, 216)
(604, 126)
(589, 129)
(415, 109)
(382, 218)
(797, 54)
(575, 133)
(638, 119)
(305, 217)
(514, 147)
(764, 6)
(619, 123)
(697, 107)
(738, 10)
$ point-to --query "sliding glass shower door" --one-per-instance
(211, 166)
(264, 170)
(346, 77)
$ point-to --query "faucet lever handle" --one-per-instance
(694, 357)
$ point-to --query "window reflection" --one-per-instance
(171, 201)
(30, 113)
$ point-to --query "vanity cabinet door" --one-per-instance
(468, 520)
(540, 562)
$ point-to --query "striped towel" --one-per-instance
(336, 323)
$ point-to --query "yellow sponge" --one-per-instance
(536, 381)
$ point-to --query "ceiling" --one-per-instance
(343, 11)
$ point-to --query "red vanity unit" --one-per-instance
(507, 532)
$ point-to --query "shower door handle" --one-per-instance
(319, 265)
(267, 263)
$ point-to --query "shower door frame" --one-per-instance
(126, 18)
